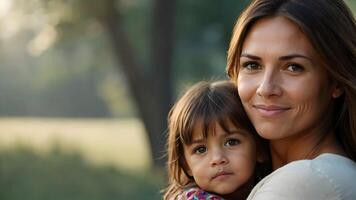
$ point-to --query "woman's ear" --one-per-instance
(337, 90)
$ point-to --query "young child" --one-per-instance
(213, 149)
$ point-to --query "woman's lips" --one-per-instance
(270, 110)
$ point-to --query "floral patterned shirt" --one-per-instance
(195, 193)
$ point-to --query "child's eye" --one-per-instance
(199, 150)
(232, 142)
(295, 68)
(251, 65)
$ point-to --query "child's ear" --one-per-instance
(186, 168)
(189, 172)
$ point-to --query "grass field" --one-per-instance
(76, 159)
(120, 143)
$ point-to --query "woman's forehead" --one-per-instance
(288, 37)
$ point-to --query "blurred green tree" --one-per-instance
(143, 35)
(151, 87)
(159, 46)
(148, 77)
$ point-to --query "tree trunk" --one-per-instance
(152, 91)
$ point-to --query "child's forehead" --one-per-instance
(216, 128)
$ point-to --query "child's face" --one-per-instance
(222, 162)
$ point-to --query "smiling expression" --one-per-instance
(282, 83)
(222, 162)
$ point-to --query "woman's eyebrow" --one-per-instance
(294, 55)
(253, 57)
(282, 58)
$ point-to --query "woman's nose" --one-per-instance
(269, 85)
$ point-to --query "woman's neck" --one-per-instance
(307, 147)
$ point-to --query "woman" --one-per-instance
(294, 62)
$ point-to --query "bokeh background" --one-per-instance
(85, 87)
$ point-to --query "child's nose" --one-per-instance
(218, 157)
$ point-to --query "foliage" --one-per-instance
(53, 80)
(62, 175)
(42, 84)
(67, 53)
(202, 38)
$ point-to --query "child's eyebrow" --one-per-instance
(200, 140)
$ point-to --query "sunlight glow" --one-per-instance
(44, 39)
(5, 6)
(17, 22)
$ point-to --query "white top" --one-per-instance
(328, 176)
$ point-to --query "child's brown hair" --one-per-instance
(206, 102)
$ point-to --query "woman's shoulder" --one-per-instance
(328, 176)
(325, 166)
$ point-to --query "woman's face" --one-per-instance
(282, 84)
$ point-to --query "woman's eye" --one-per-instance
(251, 65)
(295, 68)
(232, 142)
(199, 150)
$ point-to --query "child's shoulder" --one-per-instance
(195, 193)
